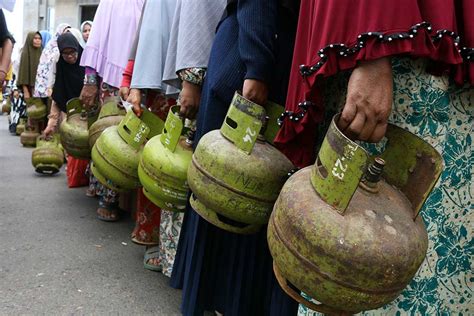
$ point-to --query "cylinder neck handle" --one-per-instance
(243, 123)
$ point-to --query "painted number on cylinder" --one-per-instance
(139, 135)
(249, 134)
(340, 167)
(168, 132)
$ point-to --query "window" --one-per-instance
(88, 12)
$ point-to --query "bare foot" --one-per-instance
(107, 214)
(90, 193)
(154, 262)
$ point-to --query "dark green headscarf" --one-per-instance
(29, 61)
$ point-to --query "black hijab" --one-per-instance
(69, 77)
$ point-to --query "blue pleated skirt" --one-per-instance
(218, 270)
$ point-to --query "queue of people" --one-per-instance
(407, 63)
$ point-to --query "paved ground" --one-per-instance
(57, 258)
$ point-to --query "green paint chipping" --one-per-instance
(172, 130)
(274, 111)
(164, 163)
(340, 166)
(243, 123)
(412, 165)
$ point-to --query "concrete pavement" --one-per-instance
(57, 258)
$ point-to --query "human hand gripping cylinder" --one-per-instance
(346, 230)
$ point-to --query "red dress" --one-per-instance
(333, 35)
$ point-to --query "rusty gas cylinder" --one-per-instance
(235, 175)
(36, 109)
(74, 130)
(346, 230)
(164, 164)
(29, 135)
(111, 114)
(7, 106)
(117, 151)
(20, 128)
(48, 156)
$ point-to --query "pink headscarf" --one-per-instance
(112, 36)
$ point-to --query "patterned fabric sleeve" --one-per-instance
(46, 72)
(193, 75)
(51, 76)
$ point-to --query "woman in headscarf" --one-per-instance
(30, 56)
(150, 48)
(78, 35)
(47, 65)
(105, 57)
(86, 27)
(185, 70)
(69, 79)
(45, 37)
(218, 270)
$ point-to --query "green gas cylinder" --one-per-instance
(164, 165)
(235, 175)
(117, 151)
(346, 230)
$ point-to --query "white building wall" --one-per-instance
(37, 13)
(67, 11)
(30, 16)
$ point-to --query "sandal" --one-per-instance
(152, 253)
(140, 242)
(90, 193)
(113, 212)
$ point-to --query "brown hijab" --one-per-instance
(29, 61)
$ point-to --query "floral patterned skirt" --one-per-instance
(170, 228)
(151, 226)
(443, 115)
(147, 223)
(106, 195)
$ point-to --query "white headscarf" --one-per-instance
(60, 29)
(84, 24)
(46, 72)
(78, 35)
